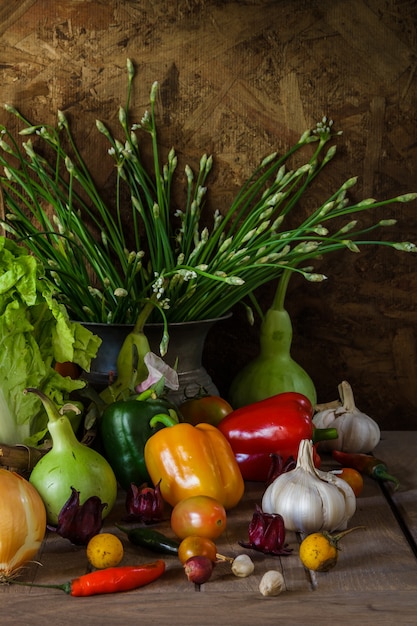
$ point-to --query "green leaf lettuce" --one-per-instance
(35, 332)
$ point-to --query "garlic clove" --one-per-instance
(243, 566)
(272, 583)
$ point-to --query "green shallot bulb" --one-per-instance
(70, 464)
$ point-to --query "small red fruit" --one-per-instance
(198, 569)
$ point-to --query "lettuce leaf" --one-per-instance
(35, 332)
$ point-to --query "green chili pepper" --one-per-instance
(151, 539)
(125, 428)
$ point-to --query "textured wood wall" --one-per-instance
(239, 80)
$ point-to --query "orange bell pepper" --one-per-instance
(193, 461)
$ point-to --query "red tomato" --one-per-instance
(199, 516)
(352, 477)
(197, 546)
(207, 409)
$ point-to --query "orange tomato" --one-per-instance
(352, 477)
(201, 516)
(197, 546)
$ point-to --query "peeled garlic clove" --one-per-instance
(272, 583)
(243, 566)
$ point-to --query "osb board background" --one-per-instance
(240, 80)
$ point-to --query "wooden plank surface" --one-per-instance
(399, 452)
(375, 580)
(199, 609)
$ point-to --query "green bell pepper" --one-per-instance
(125, 428)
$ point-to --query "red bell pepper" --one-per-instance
(274, 425)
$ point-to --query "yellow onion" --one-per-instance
(22, 522)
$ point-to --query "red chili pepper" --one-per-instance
(366, 464)
(110, 580)
(275, 425)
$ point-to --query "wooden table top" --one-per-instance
(374, 582)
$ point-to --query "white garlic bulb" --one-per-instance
(357, 432)
(308, 499)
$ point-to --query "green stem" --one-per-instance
(279, 298)
(334, 539)
(324, 434)
(66, 587)
(380, 473)
(163, 418)
(143, 316)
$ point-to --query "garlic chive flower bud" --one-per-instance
(348, 227)
(95, 292)
(406, 197)
(234, 280)
(154, 91)
(145, 122)
(350, 245)
(405, 246)
(391, 222)
(320, 230)
(130, 68)
(330, 154)
(314, 278)
(122, 117)
(29, 130)
(28, 147)
(226, 244)
(11, 109)
(69, 165)
(62, 120)
(5, 146)
(189, 174)
(119, 292)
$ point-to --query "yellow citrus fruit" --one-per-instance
(318, 552)
(104, 550)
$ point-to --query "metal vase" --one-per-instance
(186, 345)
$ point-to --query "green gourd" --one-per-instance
(273, 371)
(131, 368)
(68, 464)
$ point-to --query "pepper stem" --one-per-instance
(380, 473)
(222, 558)
(165, 419)
(324, 434)
(66, 587)
(334, 539)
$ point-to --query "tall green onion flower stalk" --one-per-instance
(102, 274)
